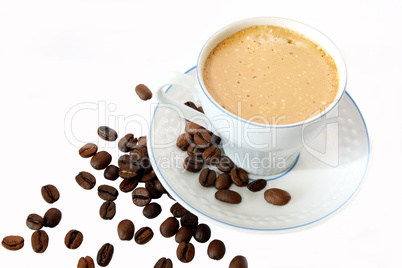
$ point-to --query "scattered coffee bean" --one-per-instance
(152, 210)
(105, 255)
(52, 217)
(200, 109)
(107, 133)
(193, 149)
(277, 197)
(169, 227)
(39, 241)
(127, 174)
(228, 196)
(189, 220)
(164, 263)
(125, 230)
(211, 155)
(128, 162)
(35, 222)
(191, 105)
(101, 160)
(111, 173)
(202, 233)
(185, 234)
(86, 262)
(159, 186)
(207, 177)
(141, 197)
(257, 185)
(225, 164)
(86, 180)
(127, 185)
(127, 143)
(216, 249)
(107, 210)
(13, 242)
(185, 252)
(192, 128)
(88, 150)
(178, 210)
(193, 163)
(73, 239)
(148, 176)
(107, 192)
(239, 177)
(202, 139)
(183, 141)
(223, 181)
(50, 193)
(215, 140)
(142, 141)
(143, 235)
(138, 152)
(239, 262)
(143, 92)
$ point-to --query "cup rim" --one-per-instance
(341, 88)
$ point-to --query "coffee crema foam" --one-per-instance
(271, 75)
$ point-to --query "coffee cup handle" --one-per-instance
(186, 81)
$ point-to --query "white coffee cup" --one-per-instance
(260, 149)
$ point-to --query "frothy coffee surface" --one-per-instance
(271, 75)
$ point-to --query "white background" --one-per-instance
(59, 56)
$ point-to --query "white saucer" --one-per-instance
(319, 190)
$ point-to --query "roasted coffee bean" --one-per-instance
(50, 193)
(225, 164)
(192, 128)
(143, 92)
(215, 140)
(171, 197)
(152, 210)
(239, 177)
(228, 196)
(127, 174)
(88, 150)
(189, 220)
(105, 255)
(35, 222)
(223, 181)
(127, 143)
(191, 105)
(183, 141)
(185, 252)
(141, 197)
(277, 197)
(239, 262)
(13, 242)
(202, 233)
(107, 210)
(207, 177)
(107, 133)
(193, 163)
(125, 230)
(163, 263)
(148, 176)
(138, 152)
(178, 210)
(169, 227)
(101, 160)
(127, 185)
(73, 239)
(202, 139)
(155, 194)
(185, 234)
(142, 141)
(143, 235)
(200, 109)
(107, 192)
(128, 162)
(159, 187)
(86, 262)
(52, 217)
(86, 180)
(111, 173)
(211, 154)
(257, 185)
(39, 241)
(216, 249)
(193, 149)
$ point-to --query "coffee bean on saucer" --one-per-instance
(127, 185)
(111, 173)
(189, 220)
(142, 141)
(178, 210)
(193, 163)
(152, 210)
(277, 197)
(164, 263)
(107, 133)
(216, 249)
(225, 164)
(202, 233)
(143, 92)
(228, 196)
(185, 252)
(73, 239)
(127, 143)
(86, 262)
(141, 197)
(52, 218)
(257, 185)
(202, 139)
(193, 149)
(105, 255)
(107, 210)
(35, 222)
(88, 150)
(191, 105)
(169, 227)
(185, 233)
(13, 242)
(239, 177)
(211, 154)
(86, 180)
(207, 177)
(183, 141)
(223, 181)
(192, 128)
(107, 192)
(125, 230)
(238, 262)
(39, 241)
(143, 235)
(50, 193)
(101, 160)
